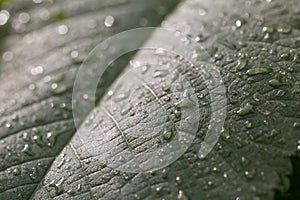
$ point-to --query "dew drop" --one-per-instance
(167, 135)
(62, 29)
(58, 186)
(296, 125)
(284, 29)
(33, 174)
(244, 161)
(7, 56)
(245, 110)
(16, 171)
(285, 56)
(24, 17)
(280, 93)
(256, 71)
(4, 16)
(248, 124)
(178, 180)
(275, 83)
(249, 174)
(109, 21)
(37, 70)
(92, 24)
(164, 174)
(242, 64)
(182, 195)
(160, 73)
(27, 150)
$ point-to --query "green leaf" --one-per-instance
(255, 46)
(41, 54)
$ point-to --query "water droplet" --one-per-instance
(7, 56)
(245, 110)
(178, 180)
(266, 29)
(109, 21)
(16, 171)
(284, 29)
(37, 70)
(58, 186)
(167, 98)
(92, 24)
(285, 56)
(187, 102)
(249, 174)
(182, 195)
(24, 17)
(62, 29)
(126, 109)
(27, 150)
(280, 93)
(244, 161)
(165, 174)
(166, 88)
(225, 133)
(34, 173)
(168, 133)
(8, 125)
(256, 71)
(85, 96)
(296, 125)
(4, 16)
(248, 124)
(179, 87)
(275, 83)
(158, 190)
(160, 73)
(202, 11)
(218, 56)
(241, 64)
(225, 176)
(274, 133)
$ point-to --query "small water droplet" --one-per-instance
(244, 161)
(160, 73)
(109, 21)
(249, 174)
(274, 133)
(4, 16)
(24, 17)
(245, 110)
(260, 70)
(284, 29)
(285, 56)
(178, 180)
(16, 171)
(92, 24)
(182, 195)
(218, 56)
(248, 124)
(58, 187)
(167, 134)
(165, 174)
(62, 29)
(296, 125)
(266, 29)
(7, 56)
(27, 150)
(37, 70)
(241, 64)
(34, 173)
